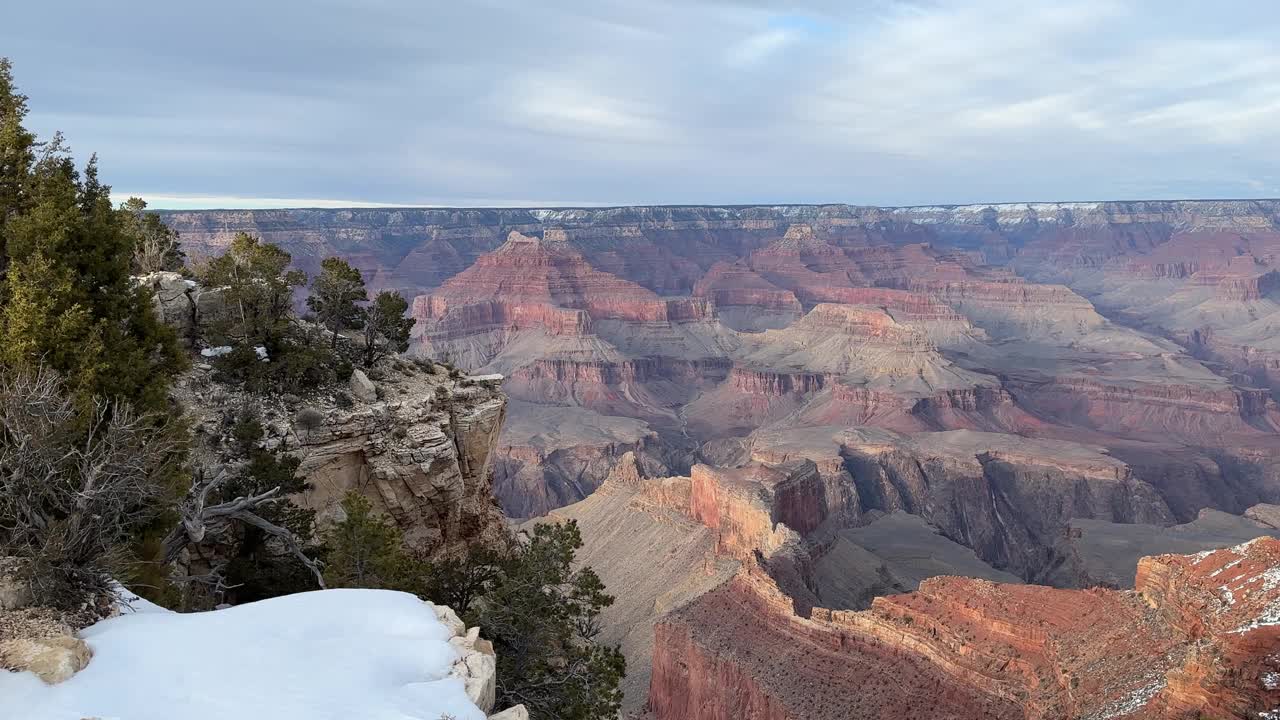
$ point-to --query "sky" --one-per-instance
(330, 103)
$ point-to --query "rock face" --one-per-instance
(1006, 389)
(746, 505)
(967, 648)
(1101, 323)
(37, 641)
(551, 456)
(421, 450)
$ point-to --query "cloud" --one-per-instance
(758, 47)
(491, 102)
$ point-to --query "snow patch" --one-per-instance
(1271, 681)
(1131, 702)
(1228, 566)
(1270, 615)
(214, 352)
(328, 654)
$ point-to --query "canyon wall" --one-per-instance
(966, 648)
(1102, 323)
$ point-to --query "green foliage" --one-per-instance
(364, 549)
(17, 153)
(155, 245)
(542, 616)
(540, 612)
(386, 329)
(258, 570)
(335, 296)
(71, 303)
(258, 296)
(258, 293)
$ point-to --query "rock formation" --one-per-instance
(1102, 323)
(1036, 391)
(421, 449)
(968, 648)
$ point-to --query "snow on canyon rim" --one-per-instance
(370, 654)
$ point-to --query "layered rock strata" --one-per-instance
(966, 648)
(420, 448)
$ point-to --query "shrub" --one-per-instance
(309, 418)
(75, 489)
(364, 550)
(542, 615)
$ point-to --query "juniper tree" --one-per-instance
(386, 329)
(17, 153)
(365, 550)
(69, 300)
(155, 245)
(258, 290)
(335, 296)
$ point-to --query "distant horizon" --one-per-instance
(358, 205)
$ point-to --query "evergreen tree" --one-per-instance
(259, 292)
(71, 303)
(257, 569)
(386, 329)
(364, 550)
(17, 153)
(335, 296)
(542, 615)
(155, 245)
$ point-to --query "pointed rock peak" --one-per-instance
(626, 471)
(800, 236)
(798, 232)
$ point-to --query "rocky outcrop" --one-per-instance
(476, 664)
(549, 456)
(739, 652)
(651, 555)
(1193, 412)
(39, 641)
(421, 450)
(966, 648)
(182, 303)
(1007, 498)
(748, 506)
(1265, 514)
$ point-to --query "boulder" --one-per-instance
(36, 641)
(362, 387)
(477, 665)
(52, 659)
(519, 712)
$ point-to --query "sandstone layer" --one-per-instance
(965, 648)
(1102, 323)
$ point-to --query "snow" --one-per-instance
(261, 352)
(1228, 566)
(1195, 559)
(1271, 681)
(328, 654)
(1131, 702)
(215, 351)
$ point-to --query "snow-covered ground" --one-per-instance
(369, 654)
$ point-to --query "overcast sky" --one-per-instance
(242, 103)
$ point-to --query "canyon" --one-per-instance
(841, 461)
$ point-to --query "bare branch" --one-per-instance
(197, 517)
